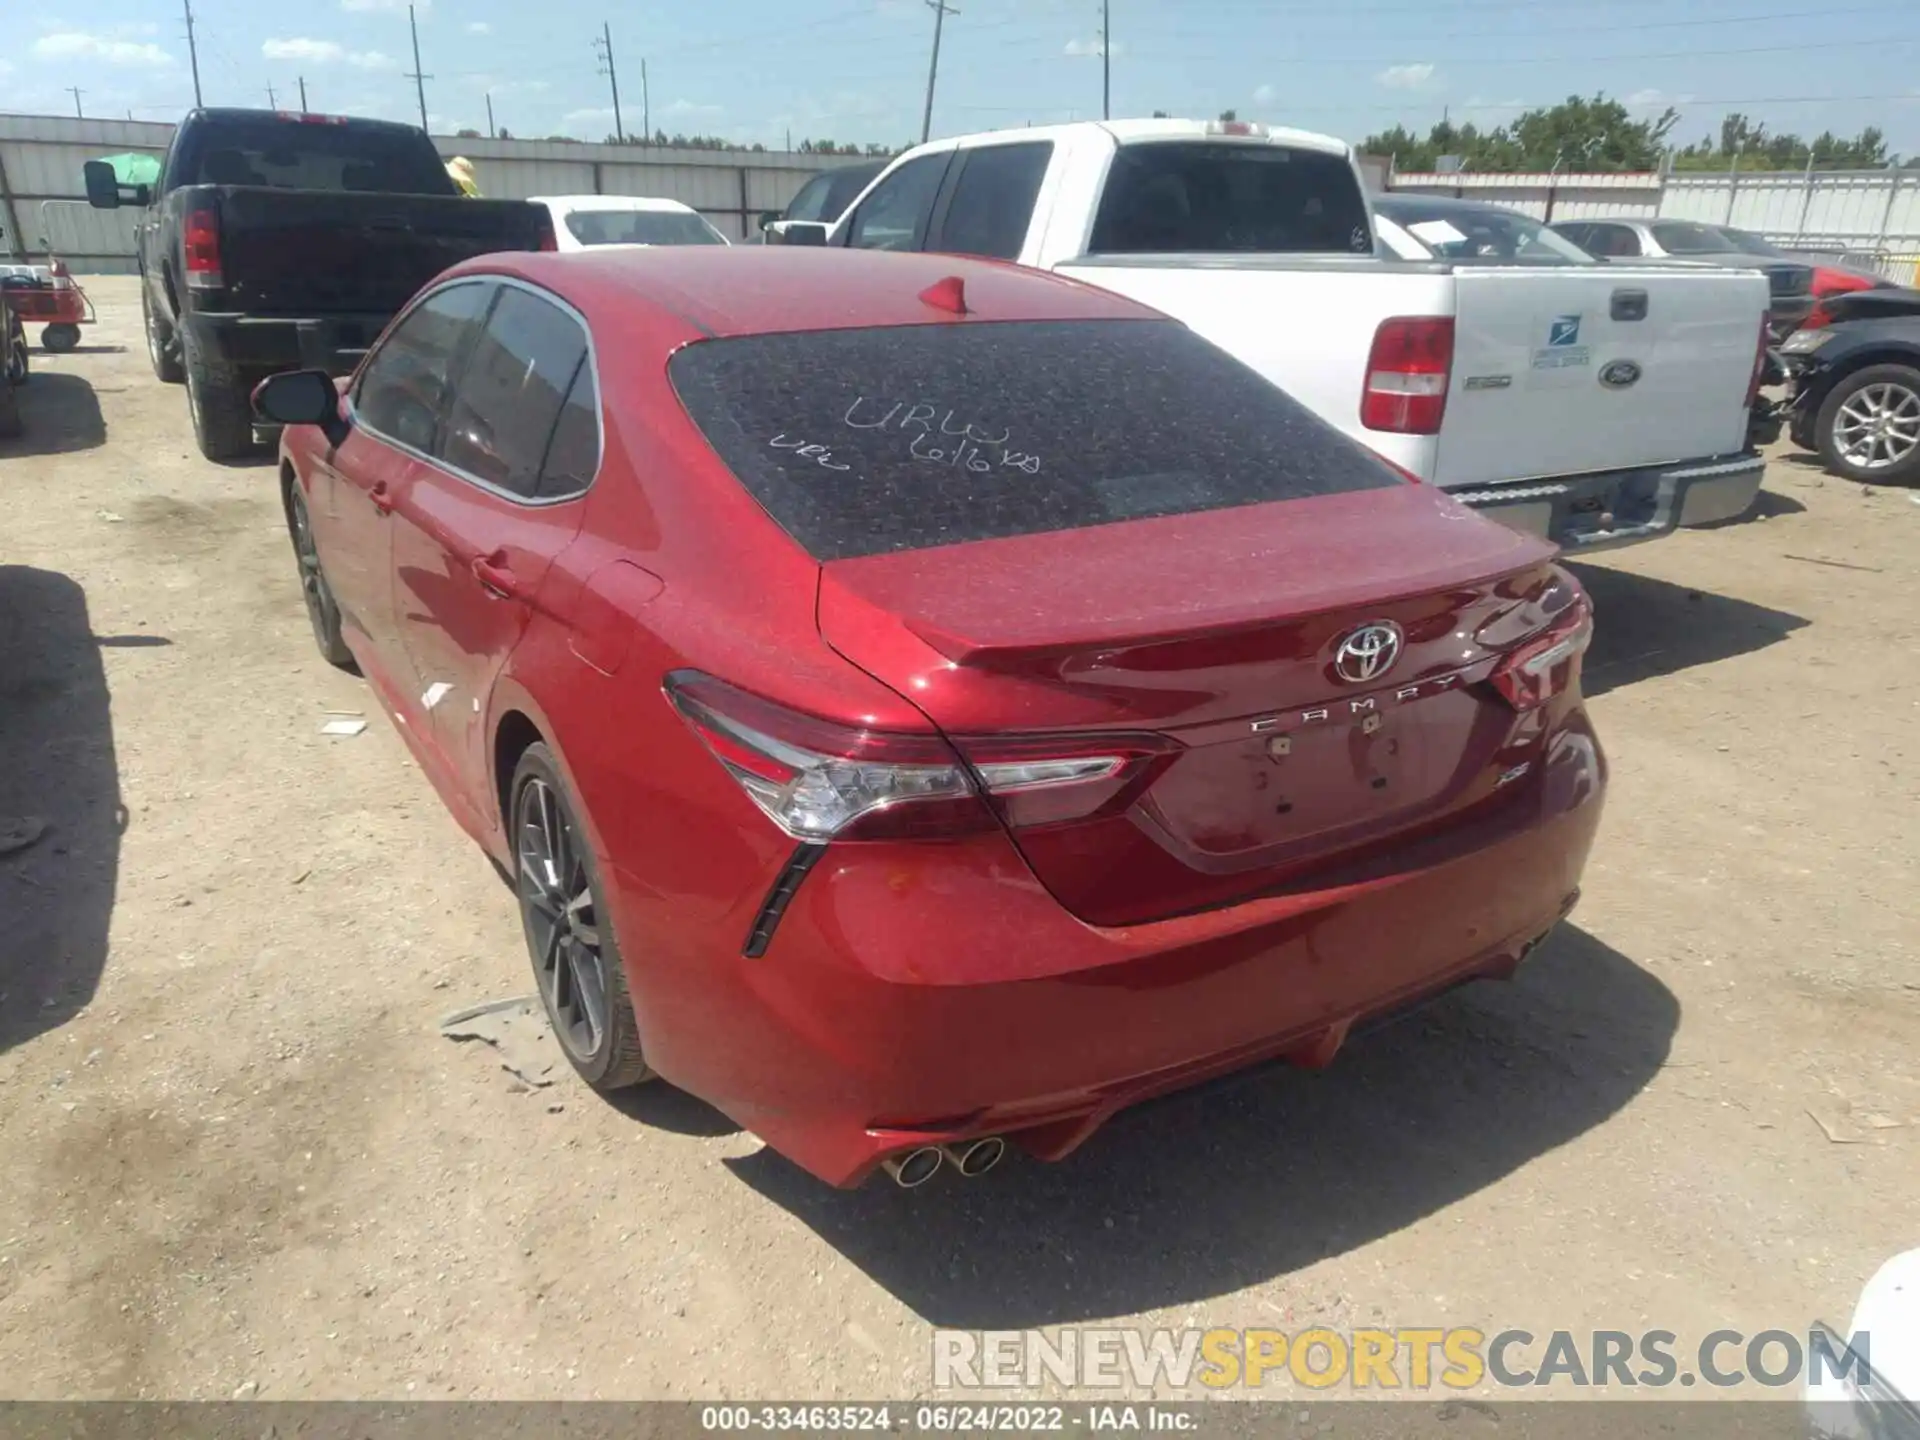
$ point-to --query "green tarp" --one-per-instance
(133, 169)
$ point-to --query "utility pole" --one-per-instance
(1106, 60)
(940, 10)
(646, 103)
(604, 48)
(419, 80)
(193, 54)
(74, 90)
(273, 101)
(493, 131)
(303, 94)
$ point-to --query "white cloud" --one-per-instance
(479, 27)
(1265, 95)
(325, 52)
(1094, 46)
(592, 124)
(79, 45)
(1405, 77)
(691, 107)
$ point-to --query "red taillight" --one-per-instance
(1818, 318)
(1838, 282)
(820, 780)
(1407, 369)
(201, 244)
(1534, 672)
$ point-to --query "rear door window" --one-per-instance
(863, 442)
(1200, 197)
(991, 207)
(512, 391)
(894, 216)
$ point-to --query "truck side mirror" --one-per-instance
(797, 232)
(103, 188)
(767, 217)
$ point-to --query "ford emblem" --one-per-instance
(1619, 374)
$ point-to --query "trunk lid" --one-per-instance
(319, 253)
(1539, 388)
(1219, 632)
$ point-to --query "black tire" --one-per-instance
(558, 883)
(60, 338)
(19, 360)
(218, 401)
(163, 347)
(1848, 443)
(323, 612)
(10, 422)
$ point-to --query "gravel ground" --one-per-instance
(236, 1156)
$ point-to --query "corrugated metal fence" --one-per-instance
(43, 200)
(1870, 217)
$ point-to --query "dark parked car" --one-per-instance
(1789, 281)
(1096, 719)
(279, 240)
(1856, 395)
(825, 198)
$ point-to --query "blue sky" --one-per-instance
(757, 70)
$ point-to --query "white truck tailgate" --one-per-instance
(1553, 375)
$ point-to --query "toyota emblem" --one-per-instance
(1367, 653)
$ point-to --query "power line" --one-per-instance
(940, 10)
(646, 102)
(273, 101)
(419, 80)
(603, 47)
(493, 131)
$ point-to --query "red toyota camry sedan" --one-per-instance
(927, 704)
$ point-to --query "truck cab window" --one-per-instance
(894, 216)
(992, 204)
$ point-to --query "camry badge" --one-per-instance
(1367, 653)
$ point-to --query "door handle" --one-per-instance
(380, 496)
(495, 577)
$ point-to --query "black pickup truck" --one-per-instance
(277, 241)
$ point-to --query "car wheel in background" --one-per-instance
(222, 413)
(60, 338)
(323, 613)
(569, 929)
(1869, 425)
(163, 350)
(10, 425)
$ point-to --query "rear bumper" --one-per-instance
(904, 1002)
(262, 344)
(1623, 507)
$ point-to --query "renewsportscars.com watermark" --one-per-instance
(1412, 1358)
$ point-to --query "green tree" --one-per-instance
(1577, 134)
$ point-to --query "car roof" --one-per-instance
(1139, 132)
(611, 202)
(766, 289)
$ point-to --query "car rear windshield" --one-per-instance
(1681, 237)
(865, 442)
(641, 227)
(1202, 197)
(296, 155)
(1482, 234)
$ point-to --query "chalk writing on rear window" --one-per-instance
(807, 450)
(942, 437)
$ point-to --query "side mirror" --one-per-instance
(767, 217)
(301, 397)
(103, 189)
(797, 232)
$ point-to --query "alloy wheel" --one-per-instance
(563, 927)
(1878, 426)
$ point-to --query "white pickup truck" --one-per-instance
(1594, 404)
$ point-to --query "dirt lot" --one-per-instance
(234, 1151)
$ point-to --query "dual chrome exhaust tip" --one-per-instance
(913, 1168)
